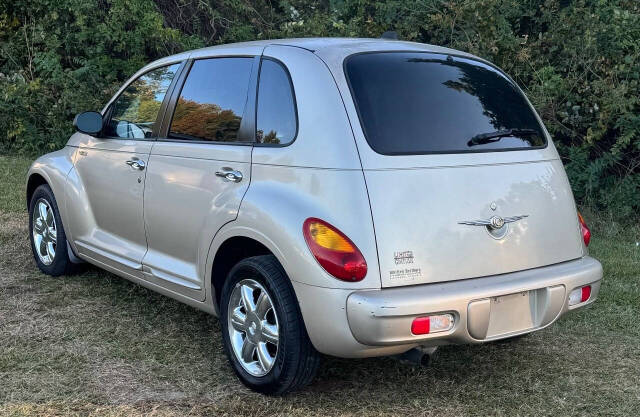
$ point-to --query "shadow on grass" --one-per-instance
(181, 347)
(99, 339)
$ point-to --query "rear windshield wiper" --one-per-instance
(483, 138)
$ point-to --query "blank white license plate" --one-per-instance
(511, 313)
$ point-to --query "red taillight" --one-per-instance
(421, 325)
(586, 233)
(335, 252)
(586, 293)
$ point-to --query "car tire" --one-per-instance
(269, 368)
(46, 234)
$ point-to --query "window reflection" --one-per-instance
(276, 116)
(412, 103)
(212, 101)
(134, 113)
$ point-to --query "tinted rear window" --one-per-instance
(418, 103)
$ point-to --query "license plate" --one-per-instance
(511, 313)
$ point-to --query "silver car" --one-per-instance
(347, 197)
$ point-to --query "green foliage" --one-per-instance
(61, 57)
(577, 60)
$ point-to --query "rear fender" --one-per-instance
(273, 212)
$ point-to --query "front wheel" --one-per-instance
(48, 240)
(264, 335)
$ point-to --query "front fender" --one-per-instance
(54, 168)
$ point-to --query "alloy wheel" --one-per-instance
(45, 235)
(253, 327)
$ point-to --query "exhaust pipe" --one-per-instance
(418, 356)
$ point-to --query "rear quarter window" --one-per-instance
(276, 117)
(421, 103)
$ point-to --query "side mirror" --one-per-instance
(89, 122)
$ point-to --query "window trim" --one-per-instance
(106, 115)
(295, 105)
(470, 151)
(163, 135)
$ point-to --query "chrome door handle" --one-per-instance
(229, 174)
(136, 163)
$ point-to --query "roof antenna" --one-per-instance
(390, 34)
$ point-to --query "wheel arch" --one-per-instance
(230, 252)
(52, 169)
(230, 245)
(34, 180)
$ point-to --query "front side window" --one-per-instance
(212, 101)
(419, 103)
(135, 111)
(276, 119)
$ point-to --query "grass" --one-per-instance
(95, 344)
(13, 177)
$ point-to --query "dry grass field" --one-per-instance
(94, 344)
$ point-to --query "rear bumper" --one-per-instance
(540, 296)
(363, 323)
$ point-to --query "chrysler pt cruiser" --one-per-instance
(346, 197)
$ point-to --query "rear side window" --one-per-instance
(276, 120)
(420, 103)
(212, 101)
(134, 113)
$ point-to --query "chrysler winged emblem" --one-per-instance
(494, 222)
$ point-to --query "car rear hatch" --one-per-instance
(462, 179)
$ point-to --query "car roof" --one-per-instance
(327, 47)
(332, 51)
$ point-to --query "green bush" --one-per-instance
(578, 61)
(60, 57)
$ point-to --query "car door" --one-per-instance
(111, 170)
(198, 170)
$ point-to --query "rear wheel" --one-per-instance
(48, 240)
(264, 335)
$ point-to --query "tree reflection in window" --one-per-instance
(135, 111)
(212, 101)
(276, 115)
(204, 121)
(499, 98)
(415, 103)
(271, 137)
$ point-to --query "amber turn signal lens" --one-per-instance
(329, 238)
(584, 229)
